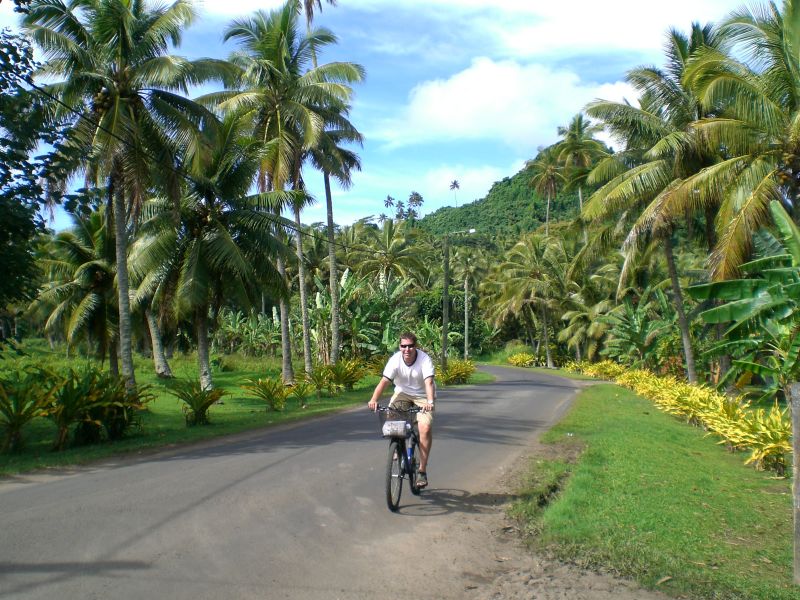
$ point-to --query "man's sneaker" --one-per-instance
(422, 479)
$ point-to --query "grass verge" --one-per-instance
(651, 498)
(163, 423)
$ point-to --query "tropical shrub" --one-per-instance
(299, 391)
(272, 391)
(319, 378)
(347, 372)
(115, 412)
(522, 359)
(196, 400)
(76, 399)
(23, 397)
(458, 371)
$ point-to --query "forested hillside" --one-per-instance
(510, 208)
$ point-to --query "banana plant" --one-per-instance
(762, 310)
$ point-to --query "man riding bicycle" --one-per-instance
(412, 372)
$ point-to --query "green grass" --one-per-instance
(653, 498)
(163, 424)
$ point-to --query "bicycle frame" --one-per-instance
(402, 460)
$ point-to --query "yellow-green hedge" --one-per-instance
(522, 359)
(766, 434)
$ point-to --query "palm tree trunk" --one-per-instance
(466, 318)
(124, 302)
(683, 323)
(547, 217)
(287, 372)
(301, 276)
(336, 334)
(113, 357)
(203, 362)
(159, 358)
(546, 340)
(580, 205)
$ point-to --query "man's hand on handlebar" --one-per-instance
(373, 405)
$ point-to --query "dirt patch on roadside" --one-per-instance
(508, 570)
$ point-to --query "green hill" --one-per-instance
(509, 209)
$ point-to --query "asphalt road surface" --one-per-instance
(295, 512)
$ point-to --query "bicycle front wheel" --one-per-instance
(394, 475)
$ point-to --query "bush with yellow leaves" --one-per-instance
(765, 434)
(522, 359)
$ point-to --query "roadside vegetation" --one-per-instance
(630, 489)
(188, 277)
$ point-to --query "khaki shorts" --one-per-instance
(404, 401)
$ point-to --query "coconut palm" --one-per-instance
(470, 267)
(119, 78)
(578, 151)
(333, 159)
(79, 295)
(224, 243)
(286, 100)
(546, 177)
(454, 187)
(659, 133)
(389, 252)
(753, 111)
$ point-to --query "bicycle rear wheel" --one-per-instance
(394, 475)
(412, 478)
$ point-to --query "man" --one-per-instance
(411, 371)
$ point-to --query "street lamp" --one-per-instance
(446, 291)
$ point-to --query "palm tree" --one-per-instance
(391, 252)
(453, 187)
(330, 157)
(222, 245)
(546, 178)
(469, 266)
(121, 81)
(286, 101)
(752, 113)
(80, 294)
(659, 136)
(578, 151)
(339, 162)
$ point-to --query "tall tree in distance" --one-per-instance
(578, 151)
(347, 162)
(288, 103)
(454, 187)
(546, 177)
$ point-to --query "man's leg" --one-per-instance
(425, 441)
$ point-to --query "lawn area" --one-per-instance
(163, 423)
(654, 499)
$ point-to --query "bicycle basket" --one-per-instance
(394, 424)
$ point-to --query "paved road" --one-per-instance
(296, 513)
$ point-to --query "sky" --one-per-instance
(463, 90)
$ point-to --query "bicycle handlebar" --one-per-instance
(413, 409)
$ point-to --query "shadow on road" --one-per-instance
(57, 572)
(436, 502)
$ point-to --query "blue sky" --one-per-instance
(464, 89)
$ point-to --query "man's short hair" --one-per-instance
(408, 336)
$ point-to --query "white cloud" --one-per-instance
(520, 105)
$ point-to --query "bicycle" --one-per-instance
(403, 458)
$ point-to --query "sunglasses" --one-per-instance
(407, 345)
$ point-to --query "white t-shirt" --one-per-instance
(409, 379)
